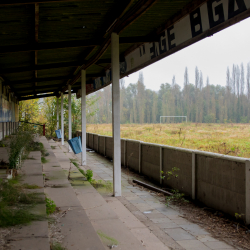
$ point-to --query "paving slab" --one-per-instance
(194, 229)
(179, 234)
(30, 244)
(35, 229)
(193, 244)
(79, 232)
(218, 245)
(63, 197)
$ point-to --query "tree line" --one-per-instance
(200, 101)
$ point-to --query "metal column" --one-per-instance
(115, 69)
(62, 122)
(83, 108)
(70, 120)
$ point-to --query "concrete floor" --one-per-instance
(137, 220)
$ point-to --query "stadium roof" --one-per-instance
(45, 44)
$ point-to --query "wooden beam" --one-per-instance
(22, 2)
(39, 67)
(47, 66)
(67, 44)
(41, 96)
(119, 24)
(47, 46)
(49, 79)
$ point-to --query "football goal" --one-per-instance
(180, 118)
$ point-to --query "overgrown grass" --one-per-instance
(15, 203)
(228, 139)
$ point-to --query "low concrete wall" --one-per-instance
(219, 181)
(133, 155)
(123, 152)
(183, 161)
(95, 143)
(101, 145)
(109, 145)
(150, 161)
(221, 184)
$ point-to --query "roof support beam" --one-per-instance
(49, 79)
(41, 96)
(47, 66)
(22, 2)
(69, 44)
(119, 24)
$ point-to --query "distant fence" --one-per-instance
(219, 181)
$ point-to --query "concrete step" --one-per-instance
(35, 235)
(74, 224)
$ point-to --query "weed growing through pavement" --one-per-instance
(177, 197)
(15, 203)
(50, 206)
(57, 246)
(44, 160)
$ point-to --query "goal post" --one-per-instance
(172, 117)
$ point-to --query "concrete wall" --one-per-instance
(221, 184)
(101, 145)
(219, 181)
(123, 152)
(109, 145)
(132, 155)
(182, 160)
(96, 140)
(150, 161)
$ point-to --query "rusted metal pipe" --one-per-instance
(158, 190)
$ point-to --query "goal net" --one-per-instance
(173, 119)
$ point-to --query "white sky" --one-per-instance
(211, 55)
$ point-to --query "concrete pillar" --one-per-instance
(83, 108)
(62, 122)
(57, 113)
(115, 69)
(70, 119)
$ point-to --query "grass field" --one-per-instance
(229, 139)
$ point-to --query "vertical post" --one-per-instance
(247, 194)
(83, 108)
(193, 175)
(70, 120)
(62, 122)
(115, 69)
(160, 165)
(43, 129)
(57, 113)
